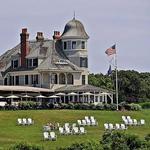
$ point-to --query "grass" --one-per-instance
(10, 132)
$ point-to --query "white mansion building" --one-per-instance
(59, 64)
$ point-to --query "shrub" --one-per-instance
(100, 107)
(56, 106)
(77, 106)
(71, 106)
(64, 106)
(145, 105)
(92, 106)
(135, 107)
(25, 146)
(83, 146)
(147, 137)
(85, 106)
(113, 107)
(107, 106)
(119, 140)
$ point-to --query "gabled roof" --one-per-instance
(57, 60)
(50, 52)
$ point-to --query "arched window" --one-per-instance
(54, 79)
(62, 79)
(69, 78)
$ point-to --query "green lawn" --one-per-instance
(10, 132)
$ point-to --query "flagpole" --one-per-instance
(116, 80)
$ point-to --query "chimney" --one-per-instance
(56, 35)
(39, 36)
(24, 37)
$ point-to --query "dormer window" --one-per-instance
(35, 62)
(15, 63)
(32, 62)
(74, 44)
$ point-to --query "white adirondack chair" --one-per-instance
(24, 121)
(123, 127)
(75, 130)
(117, 126)
(30, 121)
(46, 135)
(106, 126)
(19, 121)
(111, 127)
(82, 130)
(61, 131)
(53, 136)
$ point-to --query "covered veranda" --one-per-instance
(84, 94)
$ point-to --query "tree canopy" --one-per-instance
(133, 86)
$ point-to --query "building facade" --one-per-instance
(48, 63)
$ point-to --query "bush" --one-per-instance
(135, 107)
(85, 106)
(119, 140)
(64, 106)
(25, 146)
(83, 146)
(147, 137)
(25, 105)
(100, 107)
(92, 106)
(145, 105)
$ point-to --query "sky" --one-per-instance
(125, 23)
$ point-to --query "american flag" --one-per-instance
(111, 50)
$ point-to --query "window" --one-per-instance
(29, 62)
(15, 63)
(54, 78)
(69, 79)
(84, 62)
(65, 45)
(26, 79)
(5, 81)
(35, 62)
(17, 80)
(68, 44)
(34, 79)
(12, 78)
(32, 62)
(74, 44)
(82, 45)
(83, 79)
(62, 78)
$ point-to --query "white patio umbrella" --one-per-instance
(26, 96)
(1, 96)
(53, 96)
(87, 93)
(12, 96)
(60, 94)
(72, 94)
(40, 96)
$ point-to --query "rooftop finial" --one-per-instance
(74, 14)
